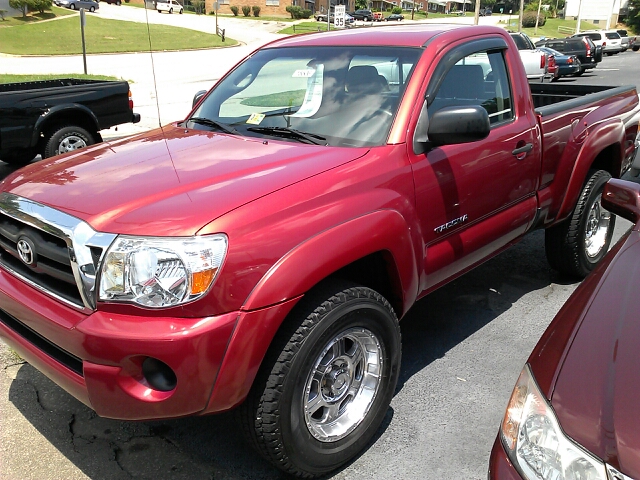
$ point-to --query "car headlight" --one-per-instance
(160, 272)
(535, 442)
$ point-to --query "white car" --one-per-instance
(609, 40)
(169, 6)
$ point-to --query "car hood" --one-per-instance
(598, 387)
(170, 181)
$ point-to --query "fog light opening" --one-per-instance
(158, 375)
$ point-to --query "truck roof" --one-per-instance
(412, 35)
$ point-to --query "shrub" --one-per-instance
(2, 14)
(396, 10)
(529, 19)
(256, 10)
(306, 13)
(294, 10)
(246, 10)
(234, 10)
(41, 5)
(198, 6)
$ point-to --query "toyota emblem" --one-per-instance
(26, 251)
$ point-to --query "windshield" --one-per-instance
(345, 96)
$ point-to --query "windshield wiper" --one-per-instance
(287, 132)
(215, 124)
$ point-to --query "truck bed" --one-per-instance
(40, 84)
(547, 97)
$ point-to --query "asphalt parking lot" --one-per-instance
(463, 347)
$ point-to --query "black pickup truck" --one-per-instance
(56, 116)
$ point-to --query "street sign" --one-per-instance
(338, 18)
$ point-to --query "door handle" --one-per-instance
(526, 149)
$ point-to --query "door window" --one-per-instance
(477, 79)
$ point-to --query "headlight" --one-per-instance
(535, 442)
(160, 272)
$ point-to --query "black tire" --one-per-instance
(171, 10)
(635, 49)
(575, 246)
(580, 72)
(180, 11)
(65, 139)
(72, 6)
(19, 158)
(273, 416)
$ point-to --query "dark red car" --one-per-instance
(573, 413)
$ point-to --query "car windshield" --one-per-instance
(344, 96)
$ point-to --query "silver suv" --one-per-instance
(609, 40)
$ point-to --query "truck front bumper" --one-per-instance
(103, 358)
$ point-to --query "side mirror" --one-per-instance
(197, 97)
(622, 198)
(453, 125)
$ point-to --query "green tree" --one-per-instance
(22, 5)
(633, 18)
(362, 4)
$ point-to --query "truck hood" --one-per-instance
(170, 181)
(597, 390)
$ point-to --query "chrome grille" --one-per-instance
(51, 250)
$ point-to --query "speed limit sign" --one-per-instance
(338, 18)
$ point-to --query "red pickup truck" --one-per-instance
(261, 252)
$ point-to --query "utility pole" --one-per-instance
(521, 15)
(579, 17)
(477, 14)
(535, 30)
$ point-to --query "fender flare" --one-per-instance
(44, 120)
(283, 285)
(598, 139)
(383, 230)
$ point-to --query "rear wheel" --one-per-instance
(579, 72)
(66, 139)
(575, 246)
(92, 9)
(72, 6)
(326, 385)
(171, 10)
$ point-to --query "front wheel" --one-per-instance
(171, 10)
(66, 139)
(72, 6)
(327, 382)
(575, 246)
(92, 9)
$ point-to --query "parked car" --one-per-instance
(534, 60)
(366, 15)
(90, 5)
(348, 19)
(573, 413)
(629, 41)
(378, 16)
(394, 17)
(51, 117)
(609, 40)
(169, 6)
(116, 2)
(259, 253)
(322, 17)
(582, 47)
(564, 65)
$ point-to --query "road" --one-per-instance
(463, 347)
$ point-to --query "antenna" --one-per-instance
(153, 68)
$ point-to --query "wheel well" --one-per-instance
(69, 117)
(378, 272)
(608, 160)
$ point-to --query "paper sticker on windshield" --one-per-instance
(304, 73)
(313, 95)
(256, 118)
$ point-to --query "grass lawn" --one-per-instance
(306, 27)
(35, 17)
(550, 29)
(6, 78)
(62, 37)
